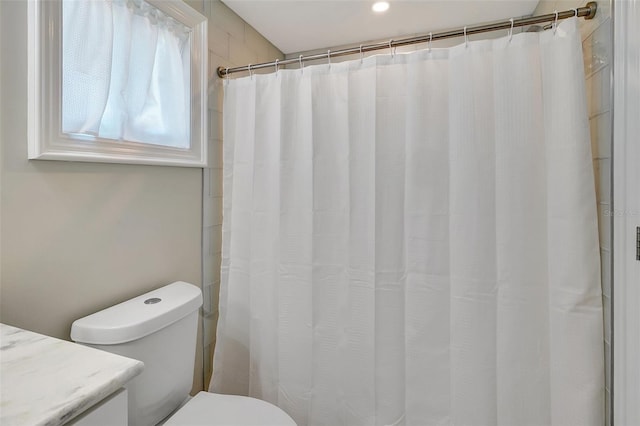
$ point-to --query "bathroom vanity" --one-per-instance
(48, 381)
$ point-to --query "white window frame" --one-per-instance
(46, 141)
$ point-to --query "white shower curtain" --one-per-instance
(412, 239)
(125, 72)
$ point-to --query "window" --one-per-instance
(117, 81)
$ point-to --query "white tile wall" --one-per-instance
(232, 42)
(597, 47)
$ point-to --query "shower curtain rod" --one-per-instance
(588, 11)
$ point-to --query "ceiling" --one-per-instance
(301, 25)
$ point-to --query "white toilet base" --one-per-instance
(212, 409)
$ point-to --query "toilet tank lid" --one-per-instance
(138, 317)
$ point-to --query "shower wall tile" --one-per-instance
(221, 17)
(217, 263)
(207, 214)
(602, 175)
(240, 54)
(206, 305)
(207, 360)
(215, 155)
(216, 180)
(209, 274)
(600, 126)
(216, 162)
(256, 42)
(206, 244)
(599, 91)
(603, 191)
(597, 49)
(219, 42)
(216, 240)
(232, 42)
(215, 297)
(208, 329)
(604, 228)
(215, 124)
(213, 160)
(217, 210)
(206, 182)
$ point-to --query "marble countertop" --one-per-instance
(48, 381)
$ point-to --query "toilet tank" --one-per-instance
(158, 328)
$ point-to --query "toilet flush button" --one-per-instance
(152, 301)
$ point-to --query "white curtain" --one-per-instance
(125, 72)
(412, 239)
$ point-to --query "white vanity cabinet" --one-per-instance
(48, 381)
(108, 412)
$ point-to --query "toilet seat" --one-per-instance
(212, 409)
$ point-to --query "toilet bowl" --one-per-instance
(159, 328)
(234, 410)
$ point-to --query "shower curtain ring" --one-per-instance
(466, 40)
(226, 73)
(329, 57)
(277, 68)
(300, 61)
(392, 51)
(511, 30)
(250, 73)
(430, 40)
(361, 55)
(555, 23)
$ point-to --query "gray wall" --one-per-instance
(79, 237)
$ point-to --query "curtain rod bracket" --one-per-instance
(593, 8)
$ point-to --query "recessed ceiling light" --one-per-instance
(380, 6)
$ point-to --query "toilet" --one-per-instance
(159, 328)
